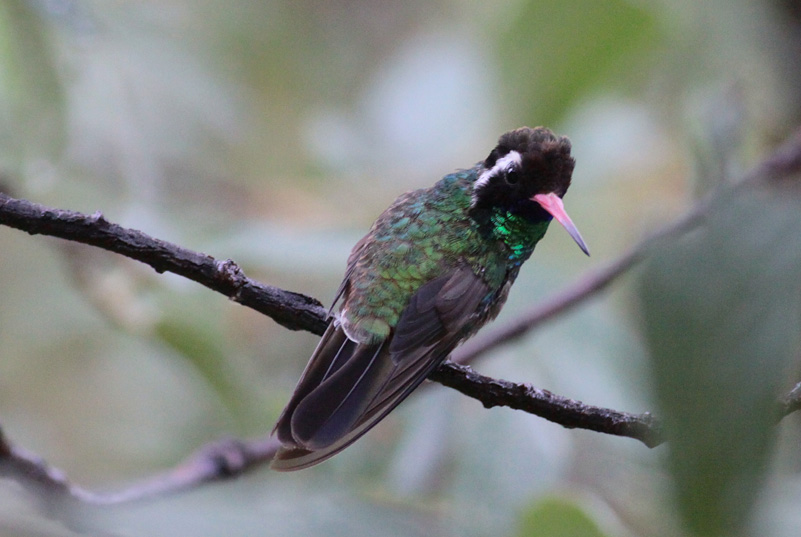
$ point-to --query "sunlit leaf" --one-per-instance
(721, 313)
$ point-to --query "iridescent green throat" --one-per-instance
(518, 233)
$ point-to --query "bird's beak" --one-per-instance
(553, 204)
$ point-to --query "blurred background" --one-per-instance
(273, 133)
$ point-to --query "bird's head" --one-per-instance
(527, 173)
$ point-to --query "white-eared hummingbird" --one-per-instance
(433, 269)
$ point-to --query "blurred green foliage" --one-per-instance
(274, 132)
(721, 313)
(33, 101)
(573, 52)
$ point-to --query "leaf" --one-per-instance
(558, 517)
(721, 313)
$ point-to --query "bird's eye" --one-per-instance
(512, 176)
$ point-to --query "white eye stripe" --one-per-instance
(502, 164)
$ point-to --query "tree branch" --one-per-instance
(291, 310)
(566, 412)
(295, 311)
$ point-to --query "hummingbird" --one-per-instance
(434, 268)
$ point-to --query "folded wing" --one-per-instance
(348, 386)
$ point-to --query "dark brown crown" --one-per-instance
(545, 158)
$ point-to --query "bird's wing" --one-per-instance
(348, 386)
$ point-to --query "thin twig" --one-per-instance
(586, 287)
(219, 460)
